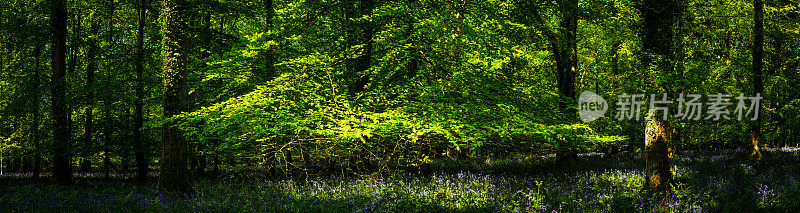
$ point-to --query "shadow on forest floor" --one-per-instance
(721, 181)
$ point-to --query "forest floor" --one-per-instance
(724, 181)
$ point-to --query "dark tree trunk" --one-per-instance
(215, 172)
(16, 163)
(288, 154)
(413, 59)
(174, 176)
(89, 89)
(659, 17)
(138, 120)
(37, 157)
(106, 161)
(269, 158)
(28, 167)
(269, 54)
(109, 124)
(615, 63)
(62, 169)
(124, 162)
(201, 165)
(777, 60)
(758, 86)
(107, 139)
(566, 56)
(358, 34)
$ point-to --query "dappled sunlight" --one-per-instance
(399, 106)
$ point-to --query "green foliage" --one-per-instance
(441, 78)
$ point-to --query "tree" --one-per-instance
(61, 134)
(269, 157)
(138, 120)
(563, 46)
(269, 54)
(566, 57)
(90, 85)
(658, 17)
(37, 161)
(174, 176)
(758, 55)
(359, 34)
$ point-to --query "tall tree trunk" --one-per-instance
(566, 55)
(658, 16)
(107, 139)
(107, 134)
(615, 63)
(777, 60)
(74, 43)
(138, 120)
(174, 176)
(269, 54)
(413, 63)
(37, 157)
(269, 158)
(758, 86)
(215, 172)
(89, 89)
(359, 33)
(412, 68)
(62, 168)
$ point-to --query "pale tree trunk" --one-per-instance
(657, 174)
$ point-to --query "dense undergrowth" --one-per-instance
(722, 181)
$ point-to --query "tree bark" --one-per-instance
(62, 168)
(174, 176)
(566, 56)
(269, 158)
(37, 158)
(138, 120)
(269, 54)
(89, 89)
(656, 139)
(659, 17)
(758, 86)
(359, 33)
(74, 42)
(107, 132)
(107, 139)
(777, 60)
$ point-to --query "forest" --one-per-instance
(400, 105)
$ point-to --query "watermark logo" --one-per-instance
(591, 106)
(689, 106)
